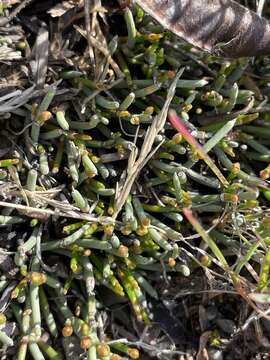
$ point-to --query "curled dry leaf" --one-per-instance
(222, 27)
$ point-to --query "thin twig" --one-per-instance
(69, 214)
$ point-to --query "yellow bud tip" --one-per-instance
(149, 110)
(264, 174)
(171, 262)
(21, 45)
(95, 159)
(235, 168)
(135, 120)
(133, 353)
(44, 116)
(3, 319)
(67, 330)
(87, 252)
(146, 221)
(205, 260)
(154, 37)
(85, 342)
(122, 251)
(177, 138)
(37, 278)
(115, 357)
(84, 329)
(108, 229)
(266, 221)
(103, 350)
(234, 198)
(142, 230)
(110, 210)
(187, 107)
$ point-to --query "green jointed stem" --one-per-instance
(5, 339)
(34, 299)
(35, 351)
(264, 272)
(46, 313)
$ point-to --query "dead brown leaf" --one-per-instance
(222, 27)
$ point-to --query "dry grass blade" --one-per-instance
(10, 95)
(96, 44)
(17, 101)
(30, 210)
(41, 55)
(88, 30)
(135, 166)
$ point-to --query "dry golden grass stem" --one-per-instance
(67, 214)
(96, 44)
(138, 160)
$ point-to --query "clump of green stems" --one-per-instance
(201, 188)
